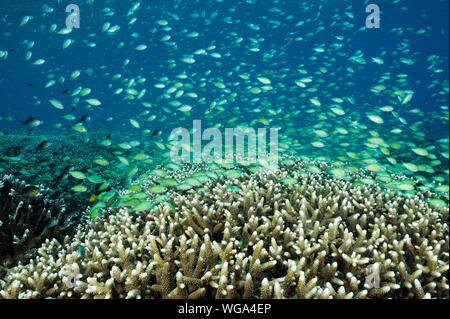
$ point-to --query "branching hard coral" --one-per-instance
(28, 215)
(268, 238)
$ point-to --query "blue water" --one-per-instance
(324, 21)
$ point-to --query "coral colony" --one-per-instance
(284, 234)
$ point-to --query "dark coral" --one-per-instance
(28, 217)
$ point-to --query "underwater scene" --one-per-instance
(224, 149)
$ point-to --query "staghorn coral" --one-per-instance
(28, 217)
(312, 239)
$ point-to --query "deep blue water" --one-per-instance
(324, 21)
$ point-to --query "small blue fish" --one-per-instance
(81, 251)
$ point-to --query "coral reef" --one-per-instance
(49, 166)
(282, 234)
(28, 215)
